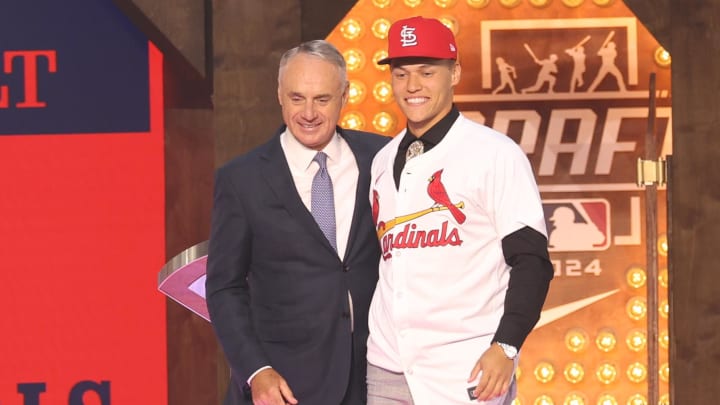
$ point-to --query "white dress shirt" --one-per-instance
(343, 169)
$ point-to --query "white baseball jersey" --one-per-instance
(443, 276)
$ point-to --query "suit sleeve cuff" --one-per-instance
(249, 380)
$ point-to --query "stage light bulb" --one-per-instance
(516, 401)
(380, 28)
(543, 400)
(664, 308)
(382, 3)
(636, 277)
(605, 340)
(355, 59)
(539, 3)
(662, 57)
(576, 340)
(664, 339)
(381, 54)
(664, 399)
(351, 29)
(636, 340)
(636, 308)
(413, 3)
(384, 122)
(478, 3)
(662, 245)
(509, 3)
(637, 372)
(663, 278)
(518, 373)
(664, 372)
(451, 23)
(383, 92)
(603, 3)
(572, 3)
(356, 92)
(445, 3)
(575, 398)
(574, 372)
(607, 399)
(544, 372)
(606, 373)
(353, 120)
(637, 399)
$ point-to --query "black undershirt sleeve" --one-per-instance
(526, 252)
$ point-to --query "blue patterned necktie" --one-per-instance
(322, 204)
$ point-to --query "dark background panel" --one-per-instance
(101, 80)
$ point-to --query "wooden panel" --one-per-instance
(249, 38)
(655, 15)
(319, 17)
(695, 211)
(177, 26)
(192, 349)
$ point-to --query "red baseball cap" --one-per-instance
(420, 38)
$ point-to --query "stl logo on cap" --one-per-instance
(420, 37)
(407, 36)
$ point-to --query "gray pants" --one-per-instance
(390, 388)
(386, 387)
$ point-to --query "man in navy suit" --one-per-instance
(289, 304)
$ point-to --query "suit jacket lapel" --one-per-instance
(363, 158)
(276, 172)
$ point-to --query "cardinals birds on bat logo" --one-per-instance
(437, 192)
(439, 195)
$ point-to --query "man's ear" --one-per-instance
(456, 71)
(346, 93)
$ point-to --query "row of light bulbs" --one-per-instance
(353, 29)
(636, 308)
(577, 398)
(484, 3)
(606, 372)
(636, 277)
(577, 340)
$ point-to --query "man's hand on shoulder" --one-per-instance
(269, 388)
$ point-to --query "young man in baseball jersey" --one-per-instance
(465, 267)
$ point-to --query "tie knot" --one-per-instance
(321, 159)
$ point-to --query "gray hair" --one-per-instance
(318, 48)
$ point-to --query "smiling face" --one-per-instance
(423, 89)
(312, 92)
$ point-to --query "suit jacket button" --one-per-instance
(346, 268)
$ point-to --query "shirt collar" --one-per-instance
(301, 157)
(436, 133)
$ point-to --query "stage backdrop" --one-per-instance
(81, 207)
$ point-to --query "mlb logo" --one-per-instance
(577, 224)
